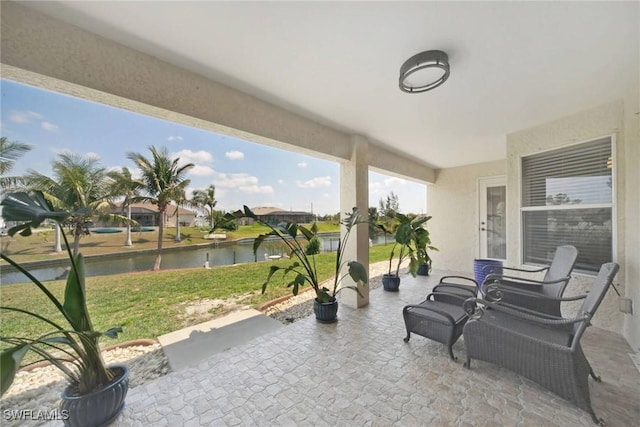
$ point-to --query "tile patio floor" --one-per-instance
(359, 372)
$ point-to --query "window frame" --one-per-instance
(613, 205)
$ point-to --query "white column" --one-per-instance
(58, 244)
(354, 192)
(127, 240)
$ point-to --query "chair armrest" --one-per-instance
(537, 270)
(455, 296)
(494, 291)
(442, 288)
(469, 279)
(475, 308)
(523, 280)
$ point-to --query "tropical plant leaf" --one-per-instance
(403, 233)
(113, 332)
(308, 234)
(248, 213)
(291, 267)
(358, 272)
(257, 242)
(352, 218)
(272, 270)
(383, 228)
(297, 282)
(232, 216)
(33, 209)
(292, 229)
(419, 221)
(10, 360)
(323, 295)
(414, 263)
(56, 340)
(74, 298)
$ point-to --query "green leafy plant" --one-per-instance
(303, 266)
(412, 241)
(313, 248)
(74, 348)
(423, 244)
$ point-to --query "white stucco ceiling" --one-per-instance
(513, 64)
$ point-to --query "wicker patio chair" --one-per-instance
(546, 349)
(523, 291)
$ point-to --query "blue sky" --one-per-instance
(53, 123)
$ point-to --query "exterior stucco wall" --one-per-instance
(608, 119)
(631, 326)
(453, 203)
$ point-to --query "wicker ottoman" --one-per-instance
(437, 320)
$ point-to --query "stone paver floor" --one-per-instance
(359, 371)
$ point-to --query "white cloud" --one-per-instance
(93, 156)
(242, 182)
(201, 170)
(195, 157)
(175, 138)
(386, 185)
(303, 164)
(256, 189)
(234, 180)
(24, 116)
(281, 181)
(394, 182)
(234, 155)
(48, 126)
(317, 182)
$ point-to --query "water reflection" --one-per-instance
(217, 254)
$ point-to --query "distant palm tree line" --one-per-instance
(79, 184)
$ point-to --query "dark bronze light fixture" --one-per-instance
(424, 71)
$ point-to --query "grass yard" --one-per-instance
(40, 245)
(149, 304)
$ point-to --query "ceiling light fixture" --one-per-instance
(424, 71)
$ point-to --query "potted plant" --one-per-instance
(303, 266)
(411, 241)
(424, 246)
(95, 393)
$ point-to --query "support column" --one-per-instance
(354, 192)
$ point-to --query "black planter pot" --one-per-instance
(390, 282)
(100, 407)
(423, 270)
(326, 312)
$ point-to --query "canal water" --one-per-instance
(220, 254)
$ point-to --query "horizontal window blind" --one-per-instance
(580, 174)
(567, 199)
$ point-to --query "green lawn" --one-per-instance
(39, 246)
(149, 304)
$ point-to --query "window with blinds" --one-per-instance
(567, 199)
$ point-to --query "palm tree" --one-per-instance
(79, 185)
(206, 198)
(163, 181)
(122, 183)
(10, 151)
